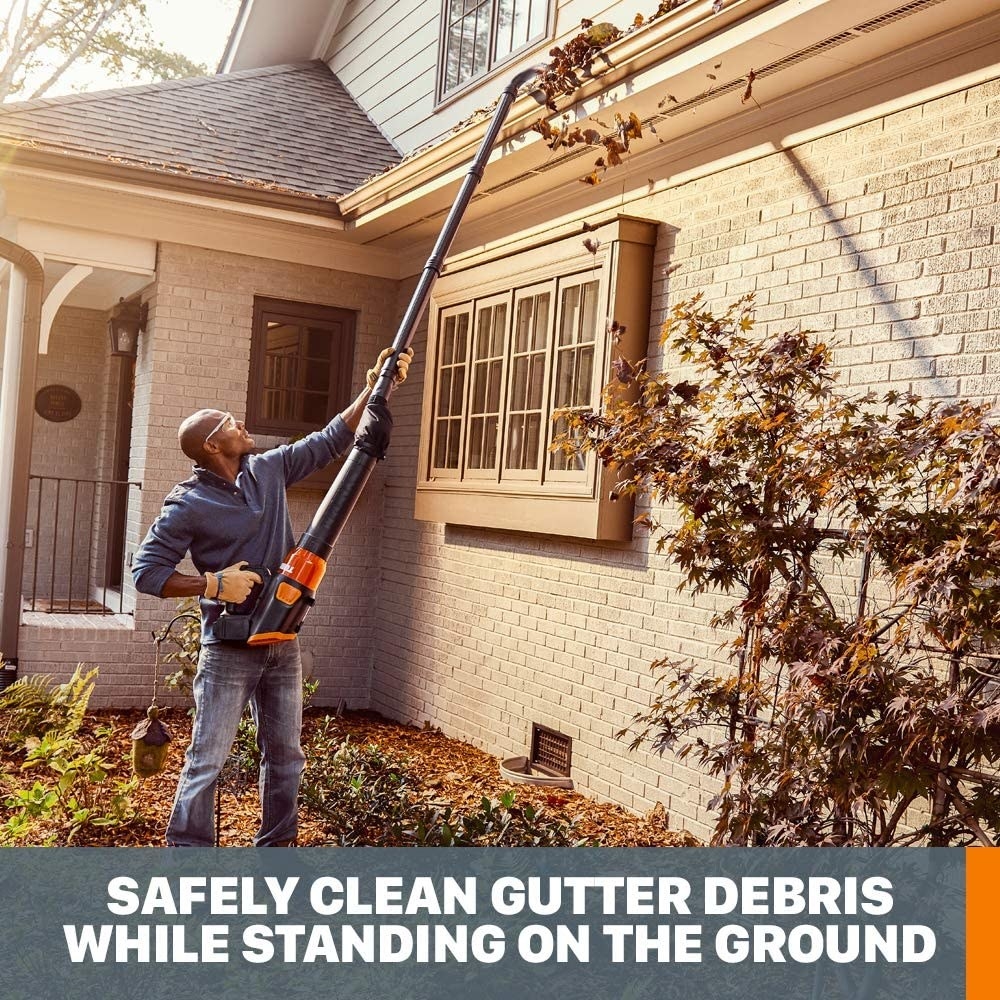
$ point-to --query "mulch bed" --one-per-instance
(454, 771)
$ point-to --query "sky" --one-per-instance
(197, 28)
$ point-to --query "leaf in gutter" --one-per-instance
(589, 227)
(717, 6)
(638, 21)
(591, 178)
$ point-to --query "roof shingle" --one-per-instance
(293, 128)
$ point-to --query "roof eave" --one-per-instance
(634, 51)
(19, 154)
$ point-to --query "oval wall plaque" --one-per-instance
(57, 403)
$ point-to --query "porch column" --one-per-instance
(24, 307)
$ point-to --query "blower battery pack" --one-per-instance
(234, 624)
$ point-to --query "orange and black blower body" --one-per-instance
(291, 592)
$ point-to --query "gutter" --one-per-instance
(624, 58)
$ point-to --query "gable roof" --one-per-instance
(293, 129)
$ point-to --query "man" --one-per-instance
(232, 514)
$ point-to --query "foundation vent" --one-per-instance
(551, 751)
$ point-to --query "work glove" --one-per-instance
(231, 585)
(401, 367)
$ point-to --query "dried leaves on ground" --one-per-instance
(453, 771)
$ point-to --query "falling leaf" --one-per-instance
(599, 162)
(616, 329)
(669, 98)
(718, 65)
(650, 182)
(670, 270)
(591, 178)
(599, 122)
(624, 372)
(652, 128)
(592, 245)
(717, 6)
(711, 76)
(748, 93)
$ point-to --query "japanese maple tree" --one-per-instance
(858, 540)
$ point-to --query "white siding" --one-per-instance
(385, 52)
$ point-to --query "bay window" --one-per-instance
(512, 342)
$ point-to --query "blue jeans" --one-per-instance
(229, 676)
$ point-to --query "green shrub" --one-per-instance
(495, 823)
(362, 794)
(74, 784)
(366, 796)
(32, 706)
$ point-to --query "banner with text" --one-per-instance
(590, 923)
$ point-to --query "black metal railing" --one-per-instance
(75, 554)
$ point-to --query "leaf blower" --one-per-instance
(291, 592)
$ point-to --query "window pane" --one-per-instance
(487, 383)
(450, 391)
(517, 22)
(527, 378)
(444, 393)
(300, 357)
(574, 362)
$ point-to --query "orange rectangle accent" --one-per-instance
(287, 594)
(982, 890)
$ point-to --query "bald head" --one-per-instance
(194, 429)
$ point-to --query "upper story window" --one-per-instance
(480, 34)
(300, 366)
(512, 343)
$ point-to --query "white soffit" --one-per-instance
(100, 289)
(270, 34)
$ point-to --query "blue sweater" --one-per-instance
(220, 523)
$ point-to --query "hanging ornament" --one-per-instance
(150, 742)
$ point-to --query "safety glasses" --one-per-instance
(228, 422)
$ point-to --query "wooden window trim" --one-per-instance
(341, 361)
(575, 504)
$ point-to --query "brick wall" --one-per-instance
(195, 354)
(885, 238)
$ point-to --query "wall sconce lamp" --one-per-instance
(128, 320)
